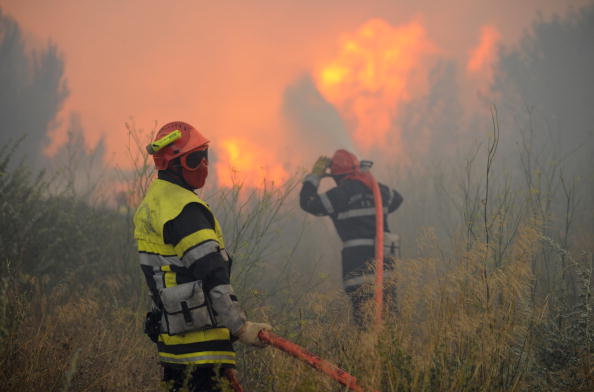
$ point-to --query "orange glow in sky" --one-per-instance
(482, 57)
(225, 68)
(378, 67)
(248, 164)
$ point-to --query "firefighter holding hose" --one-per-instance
(350, 205)
(196, 315)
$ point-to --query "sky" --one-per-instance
(253, 75)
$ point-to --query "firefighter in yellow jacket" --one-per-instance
(196, 315)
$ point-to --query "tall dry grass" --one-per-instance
(505, 304)
(445, 332)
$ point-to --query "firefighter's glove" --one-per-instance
(248, 334)
(319, 168)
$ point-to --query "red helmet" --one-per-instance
(343, 162)
(190, 140)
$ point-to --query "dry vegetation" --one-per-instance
(506, 305)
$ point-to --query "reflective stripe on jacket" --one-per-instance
(351, 207)
(170, 280)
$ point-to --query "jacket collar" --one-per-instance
(168, 175)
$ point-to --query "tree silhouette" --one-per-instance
(33, 91)
(550, 73)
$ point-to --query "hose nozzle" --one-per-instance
(365, 165)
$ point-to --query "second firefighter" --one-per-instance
(350, 205)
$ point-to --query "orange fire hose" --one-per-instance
(379, 251)
(312, 360)
(231, 375)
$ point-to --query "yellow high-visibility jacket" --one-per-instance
(190, 331)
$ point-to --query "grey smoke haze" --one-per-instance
(550, 71)
(431, 125)
(32, 93)
(315, 125)
(550, 75)
(543, 92)
(78, 169)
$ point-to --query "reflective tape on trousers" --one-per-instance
(197, 359)
(357, 280)
(358, 242)
(390, 240)
(157, 261)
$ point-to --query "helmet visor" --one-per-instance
(193, 159)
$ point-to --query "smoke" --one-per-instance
(483, 56)
(540, 88)
(549, 77)
(314, 125)
(33, 91)
(253, 77)
(248, 163)
(544, 87)
(389, 95)
(77, 169)
(377, 68)
(432, 125)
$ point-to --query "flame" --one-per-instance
(376, 69)
(248, 164)
(482, 57)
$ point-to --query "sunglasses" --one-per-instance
(192, 160)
